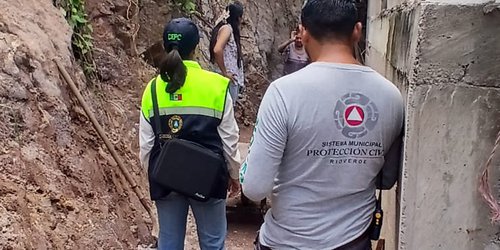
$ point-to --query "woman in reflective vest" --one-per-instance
(194, 105)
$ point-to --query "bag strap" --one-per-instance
(380, 179)
(156, 110)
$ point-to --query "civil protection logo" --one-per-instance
(355, 115)
(175, 124)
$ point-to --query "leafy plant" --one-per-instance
(82, 41)
(187, 6)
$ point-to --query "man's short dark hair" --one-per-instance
(329, 19)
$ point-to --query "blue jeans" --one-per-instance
(210, 220)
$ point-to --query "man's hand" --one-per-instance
(233, 187)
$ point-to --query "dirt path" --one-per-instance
(243, 221)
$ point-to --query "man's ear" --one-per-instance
(357, 33)
(304, 34)
(301, 29)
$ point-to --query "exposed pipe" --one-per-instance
(108, 143)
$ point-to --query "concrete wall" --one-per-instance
(446, 60)
(392, 41)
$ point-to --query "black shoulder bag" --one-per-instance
(185, 167)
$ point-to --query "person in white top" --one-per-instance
(225, 48)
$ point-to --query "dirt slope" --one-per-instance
(59, 188)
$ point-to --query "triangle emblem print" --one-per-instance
(354, 116)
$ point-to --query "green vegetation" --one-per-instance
(74, 11)
(187, 6)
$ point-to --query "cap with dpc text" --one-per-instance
(183, 34)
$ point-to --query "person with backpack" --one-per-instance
(188, 143)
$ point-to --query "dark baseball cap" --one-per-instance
(183, 34)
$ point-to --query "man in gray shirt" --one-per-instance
(323, 134)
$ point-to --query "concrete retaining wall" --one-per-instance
(445, 57)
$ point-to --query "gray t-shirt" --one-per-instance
(322, 136)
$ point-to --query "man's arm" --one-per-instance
(284, 45)
(392, 165)
(229, 133)
(267, 147)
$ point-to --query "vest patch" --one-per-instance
(175, 124)
(175, 97)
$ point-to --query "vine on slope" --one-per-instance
(82, 41)
(187, 6)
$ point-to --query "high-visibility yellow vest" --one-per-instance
(203, 93)
(192, 113)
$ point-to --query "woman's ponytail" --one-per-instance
(173, 71)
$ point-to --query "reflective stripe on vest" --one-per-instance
(188, 111)
(203, 93)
